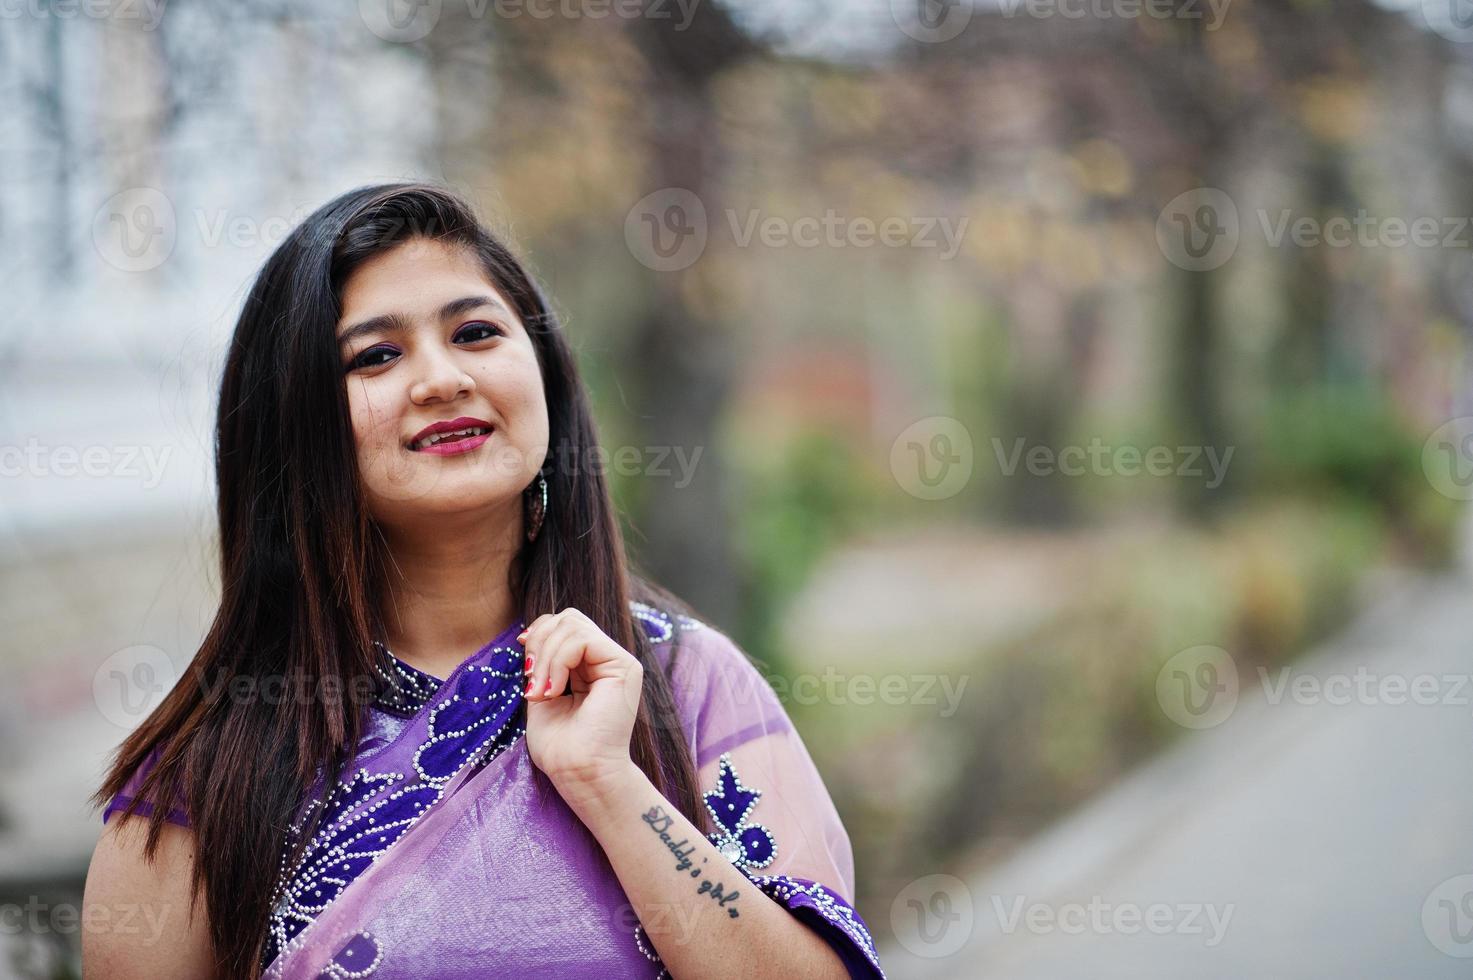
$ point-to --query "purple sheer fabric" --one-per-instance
(118, 803)
(449, 854)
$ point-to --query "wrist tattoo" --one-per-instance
(661, 822)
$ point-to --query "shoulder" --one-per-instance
(172, 939)
(695, 647)
(721, 692)
(133, 789)
(662, 626)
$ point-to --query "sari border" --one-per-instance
(490, 744)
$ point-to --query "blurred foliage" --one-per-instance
(1054, 715)
(797, 505)
(1352, 445)
(1059, 320)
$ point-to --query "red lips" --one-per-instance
(464, 422)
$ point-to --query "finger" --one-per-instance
(532, 640)
(543, 648)
(563, 649)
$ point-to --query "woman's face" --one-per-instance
(425, 337)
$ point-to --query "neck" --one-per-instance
(448, 589)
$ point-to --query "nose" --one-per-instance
(442, 380)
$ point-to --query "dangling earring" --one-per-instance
(537, 505)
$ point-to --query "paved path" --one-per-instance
(1317, 832)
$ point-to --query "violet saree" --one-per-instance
(447, 853)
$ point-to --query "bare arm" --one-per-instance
(136, 917)
(704, 918)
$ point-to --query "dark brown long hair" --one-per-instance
(302, 566)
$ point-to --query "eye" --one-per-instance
(470, 328)
(364, 359)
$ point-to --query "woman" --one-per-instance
(606, 787)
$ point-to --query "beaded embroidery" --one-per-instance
(349, 963)
(746, 845)
(366, 816)
(800, 893)
(405, 689)
(659, 625)
(749, 846)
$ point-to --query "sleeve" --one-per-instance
(129, 792)
(774, 818)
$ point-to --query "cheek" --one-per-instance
(516, 387)
(370, 426)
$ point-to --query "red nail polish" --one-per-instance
(527, 669)
(531, 682)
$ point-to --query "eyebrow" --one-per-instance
(397, 323)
